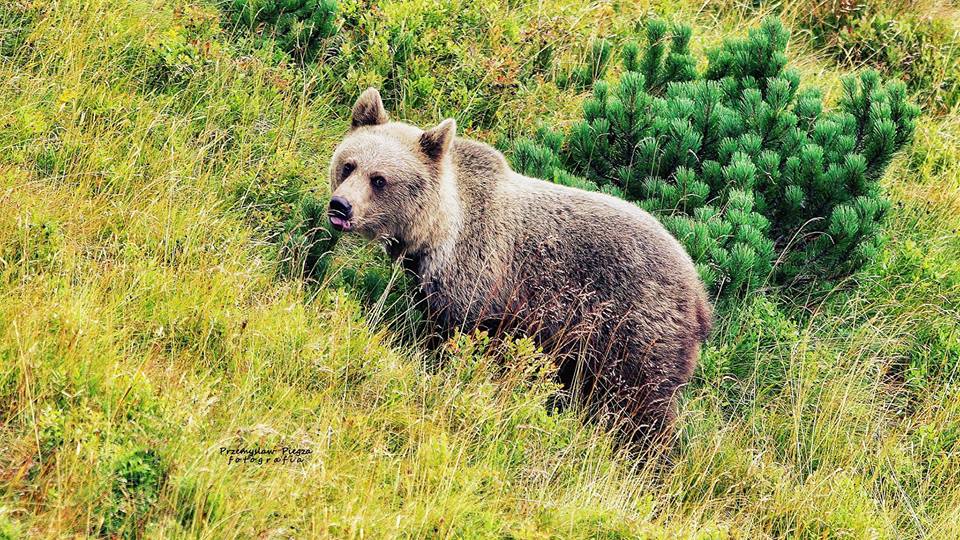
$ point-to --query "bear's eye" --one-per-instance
(347, 169)
(377, 181)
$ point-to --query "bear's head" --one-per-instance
(390, 181)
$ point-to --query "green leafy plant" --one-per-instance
(751, 174)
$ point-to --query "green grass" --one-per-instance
(149, 158)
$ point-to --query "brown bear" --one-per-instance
(592, 278)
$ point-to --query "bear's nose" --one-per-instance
(340, 213)
(340, 207)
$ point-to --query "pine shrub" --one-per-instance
(752, 174)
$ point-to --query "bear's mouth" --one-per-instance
(341, 224)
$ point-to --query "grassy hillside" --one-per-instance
(152, 319)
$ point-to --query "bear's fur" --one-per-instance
(594, 279)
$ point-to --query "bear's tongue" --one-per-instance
(340, 223)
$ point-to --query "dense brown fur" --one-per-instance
(593, 278)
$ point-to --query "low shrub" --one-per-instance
(183, 50)
(9, 529)
(914, 40)
(592, 68)
(138, 477)
(751, 174)
(17, 19)
(924, 52)
(197, 504)
(307, 252)
(476, 61)
(36, 246)
(307, 240)
(298, 26)
(414, 52)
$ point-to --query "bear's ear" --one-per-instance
(368, 110)
(435, 142)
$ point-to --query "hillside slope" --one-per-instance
(150, 328)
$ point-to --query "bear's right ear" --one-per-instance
(435, 142)
(368, 110)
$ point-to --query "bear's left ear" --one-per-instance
(368, 110)
(435, 142)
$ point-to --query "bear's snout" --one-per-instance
(340, 213)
